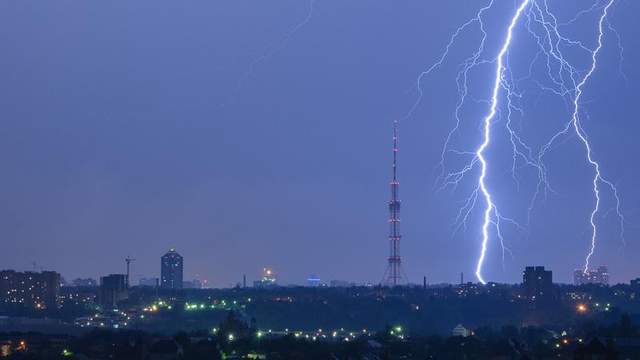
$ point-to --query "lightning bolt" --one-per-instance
(576, 125)
(562, 79)
(490, 208)
(273, 49)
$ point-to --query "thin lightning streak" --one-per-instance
(583, 137)
(445, 54)
(552, 51)
(274, 49)
(620, 50)
(489, 206)
(462, 85)
(581, 13)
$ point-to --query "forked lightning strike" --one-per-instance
(562, 79)
(575, 122)
(490, 208)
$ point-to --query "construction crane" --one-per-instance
(128, 260)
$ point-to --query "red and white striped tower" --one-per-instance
(394, 274)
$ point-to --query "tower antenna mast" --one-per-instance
(394, 274)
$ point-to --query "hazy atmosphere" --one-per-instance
(247, 134)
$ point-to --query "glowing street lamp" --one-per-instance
(581, 308)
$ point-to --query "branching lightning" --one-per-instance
(575, 123)
(490, 208)
(563, 79)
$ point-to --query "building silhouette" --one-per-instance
(113, 289)
(171, 265)
(30, 289)
(599, 276)
(537, 283)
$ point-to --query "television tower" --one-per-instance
(394, 274)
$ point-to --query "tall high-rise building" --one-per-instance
(537, 283)
(30, 289)
(171, 270)
(599, 276)
(394, 274)
(113, 289)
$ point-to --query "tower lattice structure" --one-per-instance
(394, 274)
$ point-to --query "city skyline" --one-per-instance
(268, 278)
(189, 139)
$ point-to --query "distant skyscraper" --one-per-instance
(30, 289)
(171, 270)
(599, 276)
(537, 283)
(113, 289)
(394, 274)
